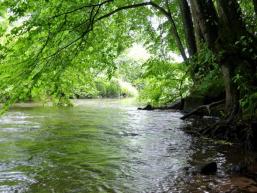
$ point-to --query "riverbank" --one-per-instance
(200, 122)
(210, 120)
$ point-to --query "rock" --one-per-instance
(148, 108)
(209, 169)
(239, 169)
(191, 171)
(129, 134)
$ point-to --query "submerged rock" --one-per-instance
(209, 169)
(129, 134)
(191, 171)
(239, 168)
(206, 169)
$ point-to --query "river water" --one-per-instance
(106, 146)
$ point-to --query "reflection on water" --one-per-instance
(102, 146)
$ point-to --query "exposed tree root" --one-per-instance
(224, 127)
(203, 107)
(232, 129)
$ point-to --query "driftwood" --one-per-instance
(208, 107)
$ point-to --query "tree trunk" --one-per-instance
(232, 26)
(198, 34)
(188, 27)
(177, 38)
(206, 17)
(231, 29)
(230, 87)
(212, 28)
(173, 28)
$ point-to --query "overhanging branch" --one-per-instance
(82, 7)
(163, 11)
(123, 8)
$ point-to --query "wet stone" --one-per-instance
(209, 169)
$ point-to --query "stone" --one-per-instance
(209, 169)
(148, 108)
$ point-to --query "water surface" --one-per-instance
(104, 146)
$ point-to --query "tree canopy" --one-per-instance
(48, 46)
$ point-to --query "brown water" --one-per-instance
(108, 146)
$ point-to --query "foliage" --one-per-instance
(129, 69)
(248, 95)
(109, 89)
(206, 73)
(57, 50)
(47, 49)
(164, 82)
(248, 15)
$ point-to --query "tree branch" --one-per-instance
(207, 107)
(82, 7)
(123, 8)
(167, 14)
(163, 11)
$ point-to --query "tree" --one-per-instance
(222, 28)
(188, 27)
(54, 36)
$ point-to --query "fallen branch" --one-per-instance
(207, 107)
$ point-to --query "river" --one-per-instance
(106, 146)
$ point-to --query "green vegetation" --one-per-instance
(197, 56)
(57, 50)
(164, 82)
